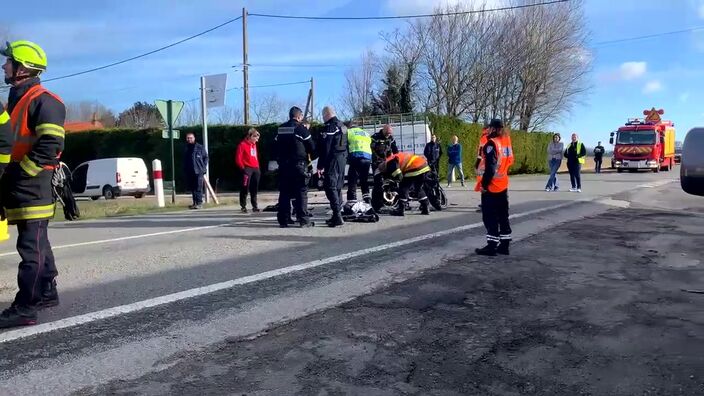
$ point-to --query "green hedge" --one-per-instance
(529, 149)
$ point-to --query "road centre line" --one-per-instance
(74, 321)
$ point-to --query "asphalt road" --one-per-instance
(141, 295)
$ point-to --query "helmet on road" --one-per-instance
(27, 54)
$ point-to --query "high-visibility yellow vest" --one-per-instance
(360, 143)
(4, 234)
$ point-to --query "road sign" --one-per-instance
(215, 87)
(176, 107)
(165, 133)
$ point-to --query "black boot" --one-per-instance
(503, 247)
(16, 316)
(335, 220)
(488, 250)
(400, 209)
(424, 209)
(50, 295)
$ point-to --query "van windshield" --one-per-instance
(636, 137)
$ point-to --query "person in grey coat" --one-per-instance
(555, 150)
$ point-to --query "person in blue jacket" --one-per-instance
(454, 160)
(195, 162)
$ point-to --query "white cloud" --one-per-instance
(653, 86)
(684, 97)
(632, 70)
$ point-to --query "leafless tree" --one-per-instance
(141, 115)
(87, 111)
(228, 115)
(525, 66)
(190, 115)
(359, 86)
(267, 108)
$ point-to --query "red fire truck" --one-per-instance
(645, 143)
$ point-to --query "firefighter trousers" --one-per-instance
(37, 268)
(495, 216)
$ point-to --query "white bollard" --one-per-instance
(158, 182)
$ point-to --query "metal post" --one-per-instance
(169, 105)
(245, 66)
(204, 119)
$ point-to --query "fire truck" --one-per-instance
(644, 143)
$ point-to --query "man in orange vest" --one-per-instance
(411, 170)
(492, 181)
(37, 120)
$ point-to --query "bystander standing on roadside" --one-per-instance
(555, 150)
(247, 161)
(575, 154)
(454, 160)
(599, 151)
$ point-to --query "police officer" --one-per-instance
(37, 118)
(383, 145)
(410, 170)
(360, 160)
(332, 157)
(492, 181)
(293, 146)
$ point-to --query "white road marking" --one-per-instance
(153, 234)
(200, 291)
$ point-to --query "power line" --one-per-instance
(648, 36)
(146, 53)
(367, 18)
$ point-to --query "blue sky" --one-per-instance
(666, 72)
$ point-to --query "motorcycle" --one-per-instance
(385, 193)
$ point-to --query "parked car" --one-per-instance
(692, 170)
(111, 178)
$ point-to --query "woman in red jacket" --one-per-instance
(248, 162)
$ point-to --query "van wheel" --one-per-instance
(95, 198)
(139, 195)
(108, 193)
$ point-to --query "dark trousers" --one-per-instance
(37, 267)
(250, 183)
(597, 164)
(417, 183)
(435, 167)
(495, 216)
(575, 170)
(334, 180)
(359, 172)
(292, 185)
(195, 184)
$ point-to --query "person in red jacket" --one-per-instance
(248, 162)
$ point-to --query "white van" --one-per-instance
(110, 178)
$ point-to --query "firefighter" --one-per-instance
(492, 181)
(411, 170)
(37, 119)
(383, 145)
(294, 145)
(332, 158)
(359, 143)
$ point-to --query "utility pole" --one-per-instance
(312, 102)
(245, 66)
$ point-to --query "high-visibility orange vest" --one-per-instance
(410, 164)
(499, 182)
(19, 120)
(508, 148)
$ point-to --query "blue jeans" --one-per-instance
(450, 168)
(553, 184)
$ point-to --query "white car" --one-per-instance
(111, 178)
